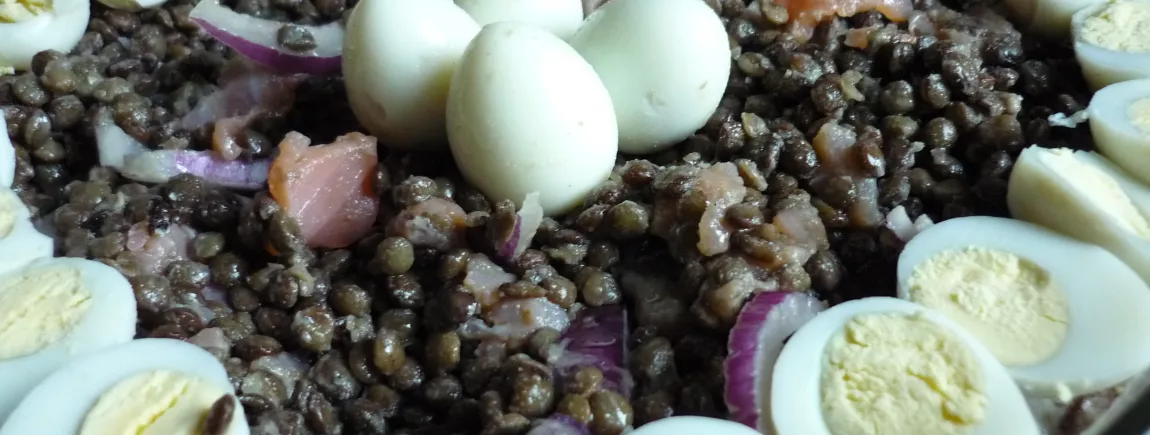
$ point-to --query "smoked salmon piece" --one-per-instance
(327, 188)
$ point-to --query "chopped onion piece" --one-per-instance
(256, 38)
(527, 221)
(598, 338)
(898, 221)
(1072, 121)
(559, 424)
(753, 347)
(112, 143)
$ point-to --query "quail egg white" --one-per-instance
(1119, 117)
(153, 386)
(398, 59)
(885, 365)
(1047, 18)
(1038, 300)
(1112, 41)
(691, 425)
(28, 27)
(527, 114)
(52, 311)
(1083, 195)
(665, 81)
(20, 242)
(560, 17)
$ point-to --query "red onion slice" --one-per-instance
(119, 151)
(597, 337)
(256, 39)
(527, 221)
(159, 166)
(753, 347)
(559, 424)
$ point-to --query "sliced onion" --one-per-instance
(159, 166)
(256, 39)
(112, 143)
(753, 347)
(119, 151)
(7, 157)
(597, 338)
(559, 424)
(527, 222)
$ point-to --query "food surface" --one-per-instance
(159, 402)
(1120, 123)
(54, 310)
(499, 217)
(883, 365)
(1015, 306)
(897, 399)
(145, 387)
(1112, 41)
(1025, 297)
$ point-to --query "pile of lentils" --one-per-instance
(943, 114)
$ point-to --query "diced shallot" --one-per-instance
(435, 223)
(597, 338)
(898, 222)
(155, 251)
(514, 320)
(483, 278)
(212, 340)
(327, 189)
(527, 221)
(256, 39)
(285, 366)
(754, 345)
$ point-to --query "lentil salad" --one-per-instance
(939, 107)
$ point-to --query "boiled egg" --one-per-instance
(398, 58)
(1047, 18)
(1083, 195)
(560, 17)
(527, 114)
(52, 311)
(665, 62)
(1112, 41)
(152, 386)
(20, 242)
(7, 157)
(28, 27)
(885, 365)
(1119, 117)
(1038, 300)
(690, 425)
